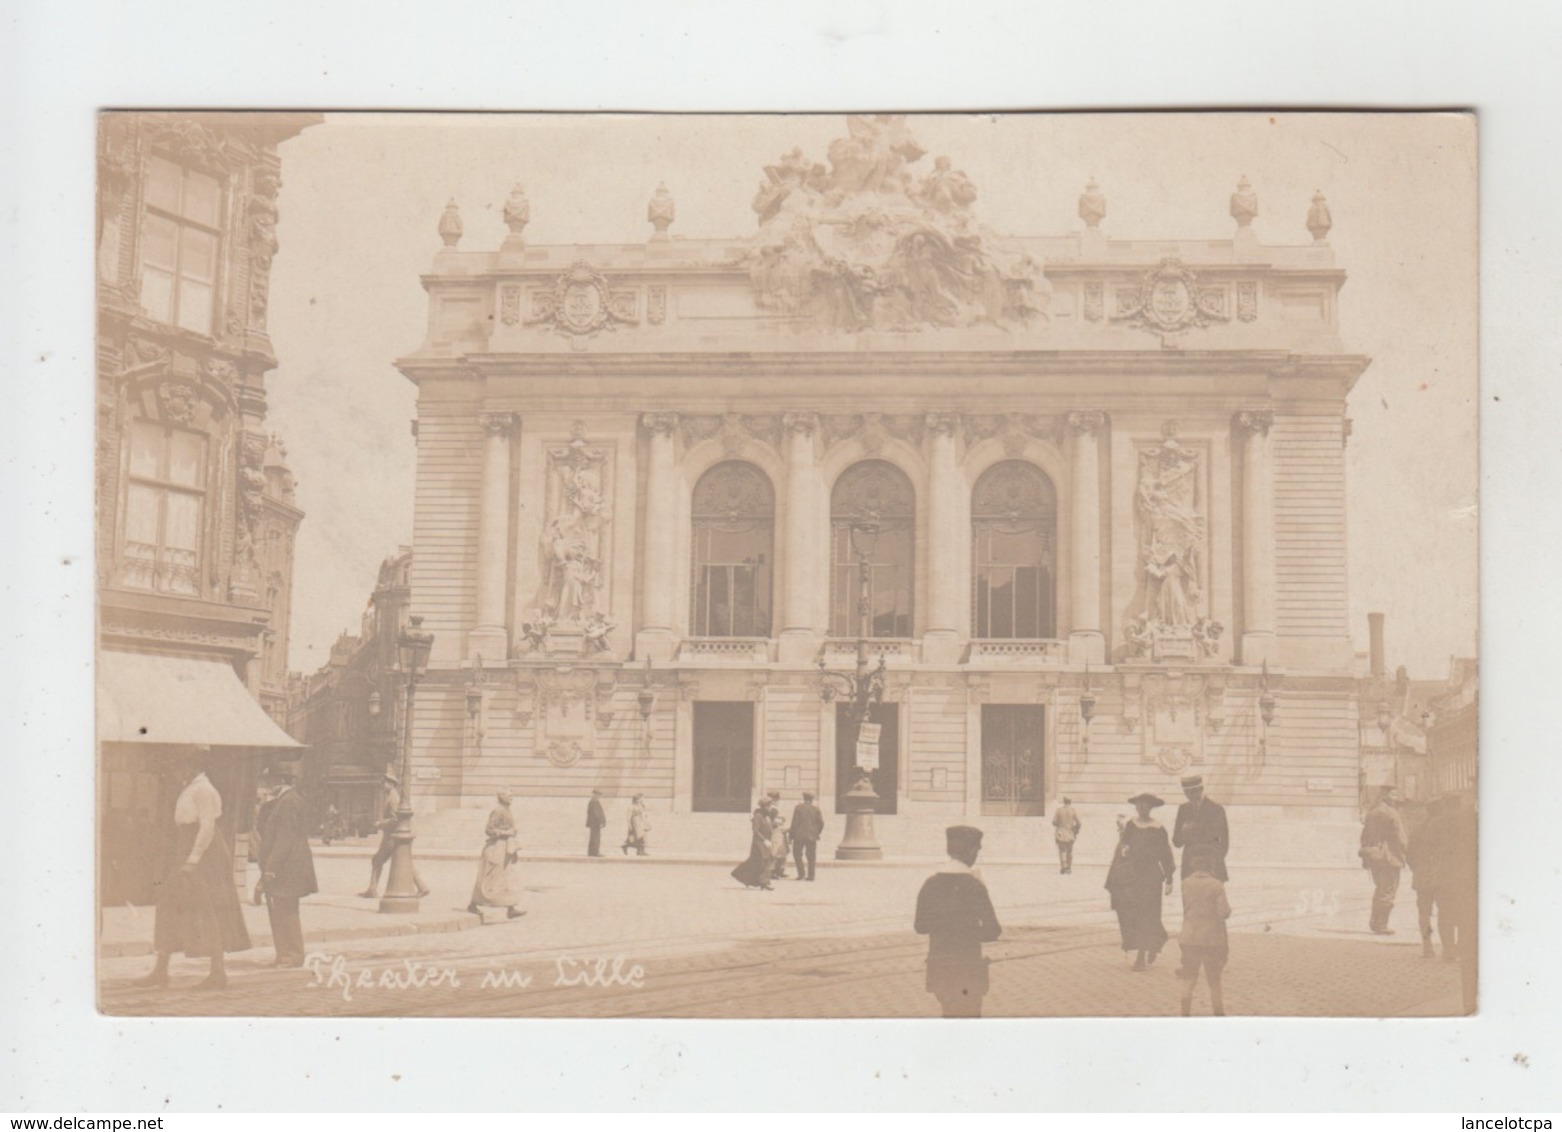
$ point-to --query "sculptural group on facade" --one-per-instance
(1169, 507)
(865, 245)
(572, 541)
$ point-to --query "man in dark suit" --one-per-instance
(1201, 823)
(956, 914)
(596, 818)
(287, 867)
(807, 827)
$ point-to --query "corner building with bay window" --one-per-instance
(1094, 490)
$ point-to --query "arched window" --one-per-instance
(873, 523)
(1014, 518)
(734, 516)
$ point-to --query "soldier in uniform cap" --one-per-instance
(956, 914)
(1201, 824)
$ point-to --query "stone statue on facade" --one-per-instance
(863, 246)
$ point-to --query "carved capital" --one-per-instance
(1255, 421)
(803, 423)
(659, 424)
(1086, 422)
(499, 424)
(943, 424)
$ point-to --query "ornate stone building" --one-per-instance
(1094, 489)
(195, 516)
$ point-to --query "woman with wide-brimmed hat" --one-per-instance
(1142, 869)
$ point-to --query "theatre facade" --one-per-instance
(1094, 491)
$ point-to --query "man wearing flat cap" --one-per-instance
(287, 867)
(956, 914)
(807, 827)
(1201, 825)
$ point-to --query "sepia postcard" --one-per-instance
(786, 566)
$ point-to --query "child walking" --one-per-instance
(1203, 935)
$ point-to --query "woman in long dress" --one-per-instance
(639, 828)
(1142, 869)
(197, 905)
(755, 872)
(493, 887)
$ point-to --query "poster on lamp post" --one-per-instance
(868, 746)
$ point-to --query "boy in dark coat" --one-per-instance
(287, 867)
(956, 914)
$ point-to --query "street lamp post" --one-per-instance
(862, 689)
(401, 890)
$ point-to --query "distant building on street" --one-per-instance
(347, 711)
(195, 514)
(1095, 490)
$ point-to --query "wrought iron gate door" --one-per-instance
(1012, 762)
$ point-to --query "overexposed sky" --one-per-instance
(362, 195)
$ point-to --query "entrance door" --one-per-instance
(723, 757)
(1012, 738)
(886, 780)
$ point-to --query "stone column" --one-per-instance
(1258, 536)
(1086, 641)
(490, 637)
(946, 544)
(797, 628)
(659, 569)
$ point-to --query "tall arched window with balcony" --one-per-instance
(1014, 520)
(873, 512)
(734, 514)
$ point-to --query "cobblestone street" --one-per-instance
(649, 939)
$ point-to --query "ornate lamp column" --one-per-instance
(1258, 536)
(797, 628)
(490, 637)
(661, 539)
(402, 890)
(946, 544)
(1086, 642)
